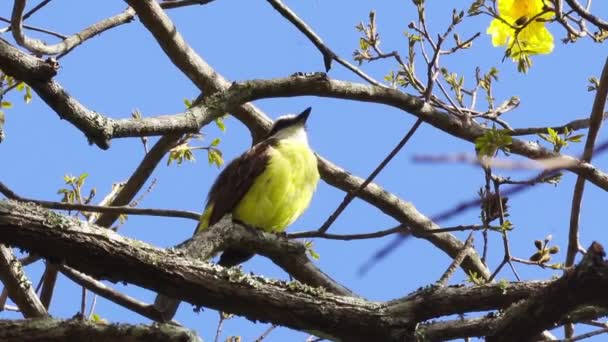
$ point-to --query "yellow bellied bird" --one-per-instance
(268, 187)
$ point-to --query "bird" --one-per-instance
(268, 187)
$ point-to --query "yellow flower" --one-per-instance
(521, 27)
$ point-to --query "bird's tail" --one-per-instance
(167, 306)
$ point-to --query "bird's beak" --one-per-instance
(302, 117)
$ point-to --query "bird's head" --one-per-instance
(290, 126)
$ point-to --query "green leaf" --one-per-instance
(575, 138)
(506, 226)
(28, 94)
(503, 285)
(6, 104)
(69, 179)
(220, 123)
(97, 319)
(215, 157)
(82, 177)
(215, 142)
(311, 251)
(180, 153)
(20, 86)
(188, 103)
(492, 141)
(363, 44)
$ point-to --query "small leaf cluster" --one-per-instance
(485, 82)
(214, 155)
(475, 278)
(558, 141)
(7, 83)
(594, 84)
(544, 252)
(369, 39)
(73, 194)
(456, 83)
(488, 144)
(184, 151)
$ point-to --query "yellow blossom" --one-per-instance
(521, 27)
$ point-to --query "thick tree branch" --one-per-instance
(107, 255)
(585, 284)
(19, 288)
(23, 66)
(319, 85)
(51, 330)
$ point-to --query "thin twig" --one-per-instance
(265, 333)
(597, 21)
(351, 195)
(220, 326)
(101, 209)
(346, 237)
(34, 28)
(121, 299)
(586, 335)
(456, 262)
(328, 54)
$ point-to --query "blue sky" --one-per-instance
(124, 69)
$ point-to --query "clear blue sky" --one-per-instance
(124, 69)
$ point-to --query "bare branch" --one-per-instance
(595, 120)
(121, 299)
(351, 195)
(584, 284)
(328, 54)
(573, 125)
(107, 255)
(597, 21)
(37, 29)
(19, 287)
(101, 208)
(47, 329)
(67, 44)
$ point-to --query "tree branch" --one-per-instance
(47, 329)
(107, 255)
(595, 120)
(101, 208)
(67, 44)
(19, 287)
(121, 299)
(601, 24)
(328, 54)
(585, 284)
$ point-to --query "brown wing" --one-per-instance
(238, 176)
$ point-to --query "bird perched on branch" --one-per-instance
(268, 187)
